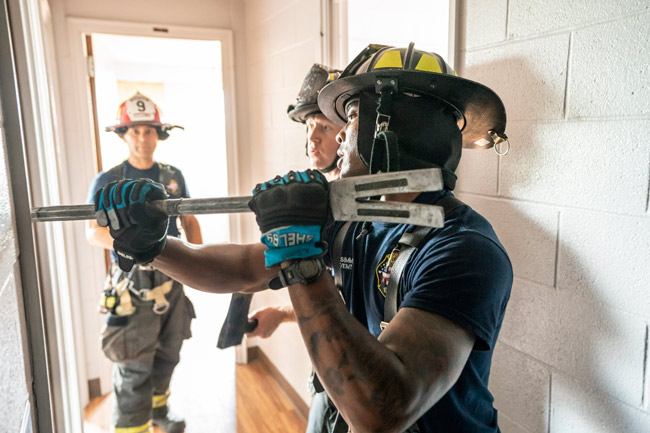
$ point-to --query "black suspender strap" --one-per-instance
(337, 250)
(408, 243)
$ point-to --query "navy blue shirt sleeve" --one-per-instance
(185, 193)
(99, 182)
(465, 278)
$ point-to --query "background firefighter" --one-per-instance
(148, 314)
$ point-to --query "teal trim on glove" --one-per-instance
(293, 242)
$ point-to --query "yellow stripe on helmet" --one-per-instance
(428, 63)
(390, 59)
(144, 428)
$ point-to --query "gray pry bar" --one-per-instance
(348, 199)
(171, 207)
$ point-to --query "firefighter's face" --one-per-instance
(142, 140)
(350, 162)
(321, 141)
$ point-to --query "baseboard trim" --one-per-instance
(255, 353)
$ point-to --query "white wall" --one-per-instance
(282, 42)
(570, 203)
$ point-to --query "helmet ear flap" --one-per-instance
(367, 121)
(162, 133)
(120, 131)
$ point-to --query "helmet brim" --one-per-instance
(153, 123)
(480, 109)
(299, 113)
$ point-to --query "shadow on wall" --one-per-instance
(558, 343)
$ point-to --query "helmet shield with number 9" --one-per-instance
(414, 111)
(140, 110)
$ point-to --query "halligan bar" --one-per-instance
(171, 207)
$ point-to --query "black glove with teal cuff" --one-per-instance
(292, 211)
(139, 231)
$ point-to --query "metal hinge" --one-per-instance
(90, 65)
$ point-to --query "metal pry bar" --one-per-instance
(171, 207)
(348, 200)
(353, 203)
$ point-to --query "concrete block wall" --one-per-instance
(570, 203)
(14, 395)
(282, 42)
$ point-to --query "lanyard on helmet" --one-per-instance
(385, 142)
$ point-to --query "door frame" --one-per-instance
(81, 119)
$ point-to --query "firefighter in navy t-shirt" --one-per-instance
(406, 343)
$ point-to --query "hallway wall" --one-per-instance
(570, 203)
(282, 42)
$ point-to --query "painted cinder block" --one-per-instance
(530, 17)
(507, 425)
(271, 73)
(597, 165)
(295, 140)
(7, 236)
(488, 16)
(13, 389)
(576, 408)
(520, 386)
(579, 336)
(279, 103)
(609, 69)
(282, 30)
(528, 231)
(606, 256)
(307, 15)
(297, 62)
(529, 76)
(477, 172)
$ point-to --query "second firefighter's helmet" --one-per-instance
(307, 99)
(140, 110)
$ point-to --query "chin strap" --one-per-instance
(332, 166)
(385, 144)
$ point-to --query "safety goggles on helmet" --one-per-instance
(140, 110)
(307, 100)
(389, 70)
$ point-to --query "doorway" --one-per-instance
(190, 79)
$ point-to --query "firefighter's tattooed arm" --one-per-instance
(386, 384)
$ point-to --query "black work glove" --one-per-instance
(139, 231)
(292, 211)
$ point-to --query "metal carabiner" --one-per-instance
(499, 139)
(382, 123)
(161, 308)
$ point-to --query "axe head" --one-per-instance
(236, 323)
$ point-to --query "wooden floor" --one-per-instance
(212, 393)
(262, 407)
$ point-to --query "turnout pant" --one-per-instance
(145, 348)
